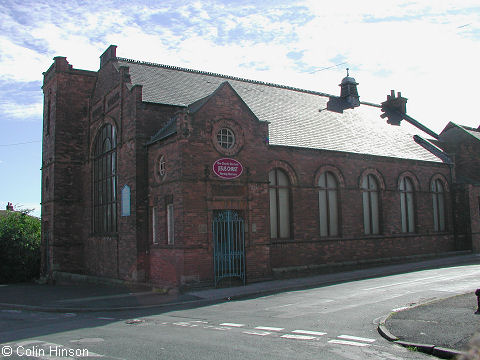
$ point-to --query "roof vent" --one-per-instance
(349, 91)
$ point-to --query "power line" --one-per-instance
(22, 143)
(329, 67)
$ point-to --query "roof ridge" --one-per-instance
(468, 128)
(258, 82)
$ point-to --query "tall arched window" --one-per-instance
(371, 220)
(105, 181)
(328, 204)
(279, 188)
(407, 206)
(438, 197)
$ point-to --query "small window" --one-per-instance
(170, 225)
(370, 196)
(328, 204)
(49, 114)
(407, 207)
(438, 197)
(161, 166)
(226, 138)
(126, 200)
(154, 225)
(279, 190)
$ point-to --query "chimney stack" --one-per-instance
(395, 108)
(110, 53)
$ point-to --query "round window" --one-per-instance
(226, 138)
(161, 166)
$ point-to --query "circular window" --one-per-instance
(226, 138)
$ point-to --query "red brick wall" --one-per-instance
(65, 148)
(474, 202)
(197, 193)
(202, 194)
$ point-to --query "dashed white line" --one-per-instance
(308, 332)
(267, 328)
(298, 337)
(344, 342)
(232, 324)
(356, 338)
(259, 333)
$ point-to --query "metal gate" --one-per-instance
(229, 246)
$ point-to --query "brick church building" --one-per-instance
(174, 177)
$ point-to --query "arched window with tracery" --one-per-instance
(105, 181)
(371, 213)
(279, 189)
(328, 204)
(407, 205)
(438, 197)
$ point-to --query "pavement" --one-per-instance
(442, 328)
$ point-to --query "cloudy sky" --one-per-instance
(428, 50)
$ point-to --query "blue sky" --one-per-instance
(428, 50)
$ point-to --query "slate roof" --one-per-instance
(170, 128)
(463, 129)
(474, 132)
(297, 117)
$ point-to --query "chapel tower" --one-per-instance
(65, 148)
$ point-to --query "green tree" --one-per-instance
(20, 236)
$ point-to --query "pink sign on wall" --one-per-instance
(227, 168)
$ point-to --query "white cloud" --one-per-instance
(22, 111)
(18, 63)
(414, 46)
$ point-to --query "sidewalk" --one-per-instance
(441, 328)
(88, 297)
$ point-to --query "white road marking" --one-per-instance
(298, 337)
(349, 337)
(269, 328)
(344, 342)
(259, 333)
(308, 332)
(184, 323)
(216, 327)
(405, 282)
(232, 324)
(401, 308)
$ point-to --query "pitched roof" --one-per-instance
(466, 129)
(170, 128)
(474, 132)
(297, 117)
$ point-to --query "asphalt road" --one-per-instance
(330, 322)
